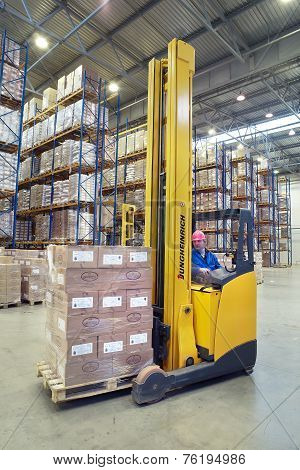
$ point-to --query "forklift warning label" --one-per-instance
(181, 247)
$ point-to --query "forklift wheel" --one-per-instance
(150, 385)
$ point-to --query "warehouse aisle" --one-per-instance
(257, 412)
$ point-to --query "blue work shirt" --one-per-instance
(209, 261)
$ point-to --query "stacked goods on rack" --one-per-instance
(210, 185)
(12, 81)
(10, 281)
(266, 214)
(67, 118)
(75, 80)
(24, 230)
(99, 315)
(244, 180)
(66, 173)
(12, 84)
(8, 164)
(133, 142)
(41, 227)
(283, 213)
(9, 125)
(40, 195)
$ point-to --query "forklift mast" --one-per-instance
(168, 217)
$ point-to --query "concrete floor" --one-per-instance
(256, 412)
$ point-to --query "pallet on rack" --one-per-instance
(10, 304)
(60, 393)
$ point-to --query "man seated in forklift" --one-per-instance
(203, 260)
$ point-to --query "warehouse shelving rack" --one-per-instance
(222, 169)
(96, 132)
(247, 200)
(283, 226)
(125, 187)
(15, 56)
(267, 242)
(109, 159)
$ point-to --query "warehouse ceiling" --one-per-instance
(242, 47)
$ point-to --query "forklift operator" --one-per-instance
(203, 261)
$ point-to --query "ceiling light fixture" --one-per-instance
(241, 97)
(113, 87)
(276, 172)
(292, 132)
(211, 131)
(41, 42)
(269, 115)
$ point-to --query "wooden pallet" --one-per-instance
(10, 304)
(60, 393)
(33, 302)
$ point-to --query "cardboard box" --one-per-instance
(138, 339)
(95, 279)
(85, 371)
(138, 300)
(131, 363)
(139, 257)
(109, 345)
(111, 301)
(112, 257)
(74, 349)
(74, 303)
(71, 326)
(6, 259)
(72, 256)
(128, 320)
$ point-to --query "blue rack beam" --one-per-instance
(15, 56)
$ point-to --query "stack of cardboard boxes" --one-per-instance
(99, 314)
(34, 273)
(10, 281)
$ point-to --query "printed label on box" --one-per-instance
(25, 278)
(113, 259)
(82, 302)
(49, 297)
(138, 302)
(81, 349)
(34, 287)
(27, 263)
(36, 271)
(112, 301)
(81, 256)
(61, 324)
(140, 338)
(60, 279)
(138, 257)
(114, 346)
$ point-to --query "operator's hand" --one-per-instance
(204, 270)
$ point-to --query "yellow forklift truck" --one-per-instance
(200, 331)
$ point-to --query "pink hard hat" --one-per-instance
(198, 235)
